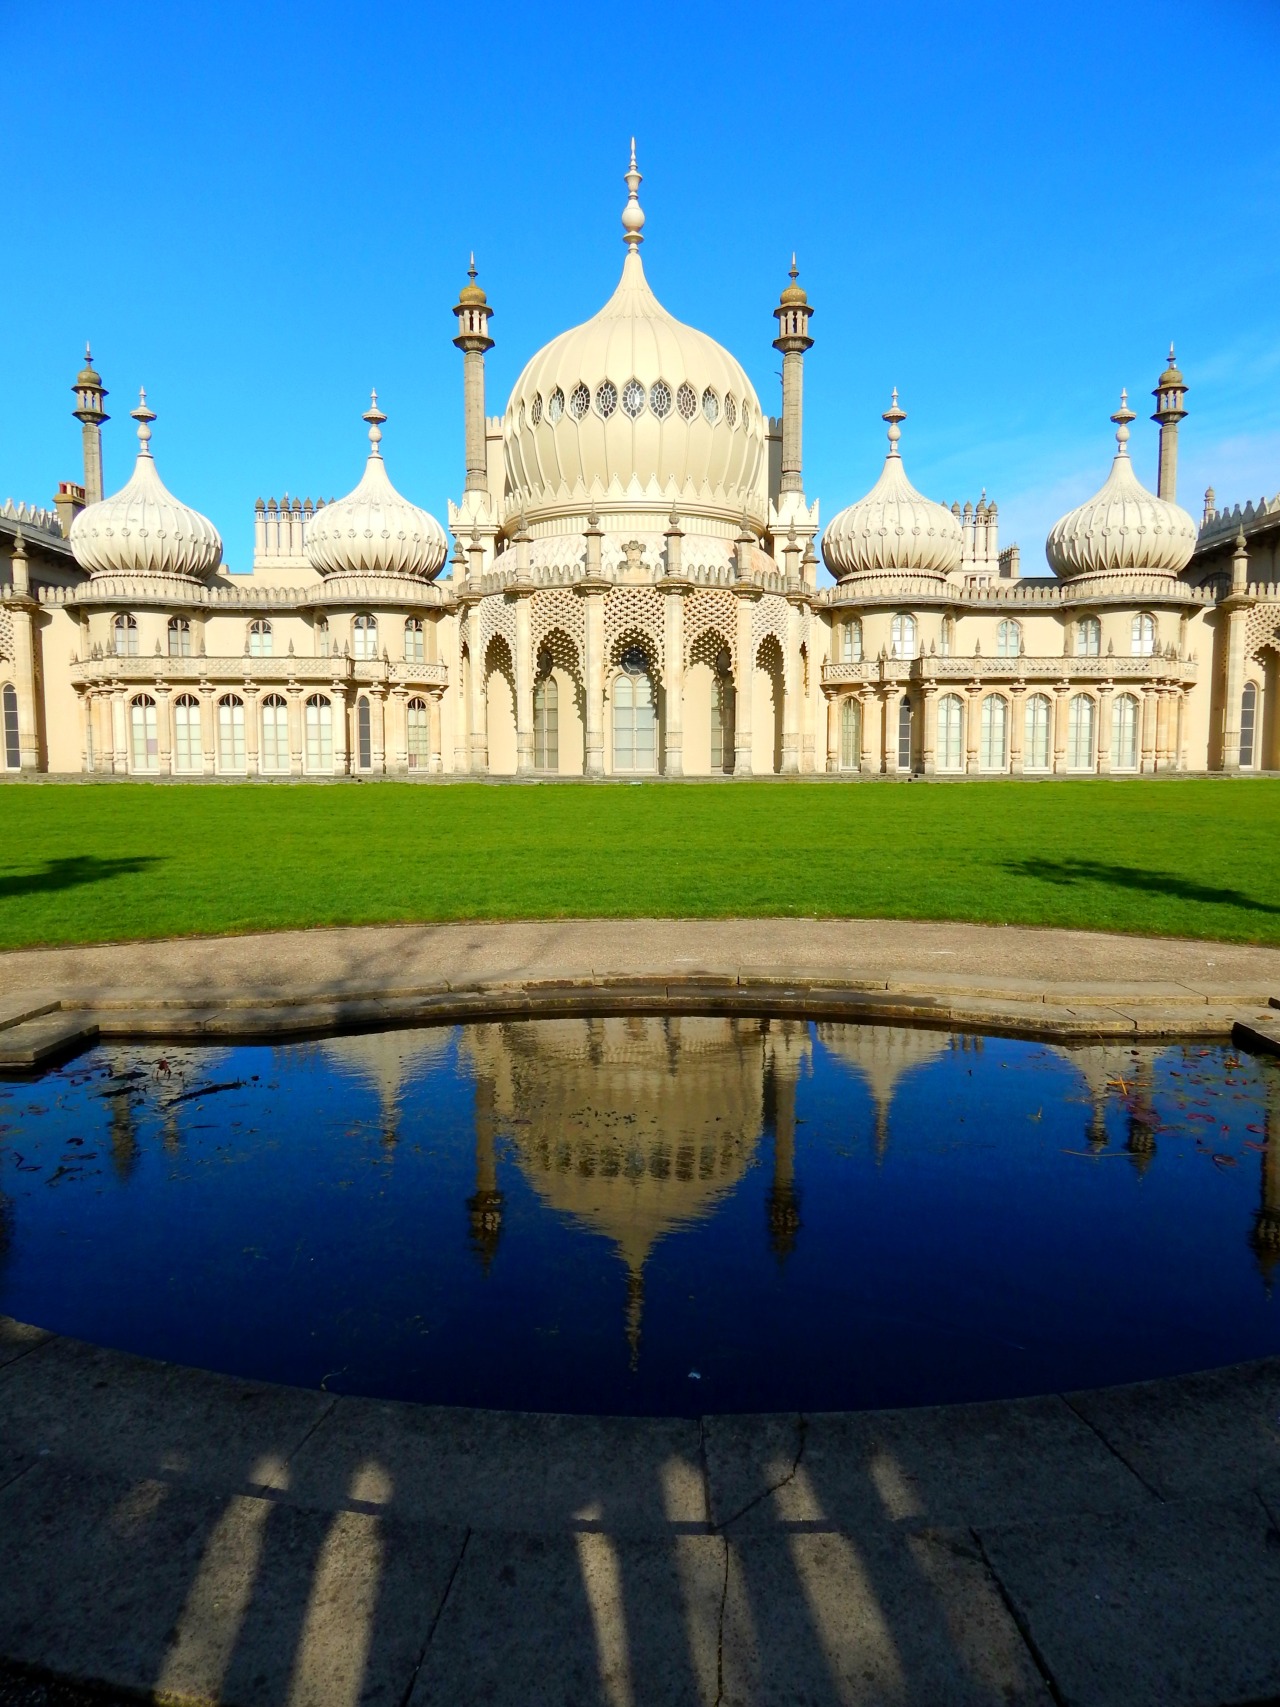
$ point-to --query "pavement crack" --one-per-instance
(1114, 1450)
(27, 1351)
(324, 1416)
(435, 1622)
(22, 1470)
(724, 1601)
(1020, 1624)
(802, 1429)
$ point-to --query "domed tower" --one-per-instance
(790, 514)
(1170, 394)
(373, 530)
(90, 392)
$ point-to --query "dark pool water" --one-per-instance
(652, 1216)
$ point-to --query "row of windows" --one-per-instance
(259, 640)
(273, 745)
(660, 400)
(903, 637)
(993, 733)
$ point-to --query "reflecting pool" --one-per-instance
(652, 1215)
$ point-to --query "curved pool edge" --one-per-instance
(130, 1489)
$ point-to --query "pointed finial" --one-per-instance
(893, 415)
(1122, 417)
(795, 271)
(144, 417)
(88, 354)
(1171, 359)
(375, 417)
(633, 213)
(471, 269)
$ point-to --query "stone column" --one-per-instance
(1148, 731)
(792, 692)
(972, 728)
(295, 728)
(252, 729)
(164, 729)
(378, 729)
(869, 724)
(929, 744)
(477, 719)
(1017, 726)
(1162, 728)
(1060, 693)
(1106, 712)
(436, 760)
(673, 609)
(745, 696)
(208, 729)
(398, 731)
(889, 697)
(341, 714)
(834, 709)
(524, 678)
(1233, 691)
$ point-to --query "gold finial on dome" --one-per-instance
(894, 415)
(375, 417)
(633, 213)
(1122, 417)
(144, 417)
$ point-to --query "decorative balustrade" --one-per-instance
(160, 592)
(337, 671)
(977, 667)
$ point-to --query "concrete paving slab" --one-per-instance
(179, 1592)
(504, 1469)
(139, 1417)
(962, 1464)
(1259, 1032)
(34, 1042)
(18, 1338)
(15, 1009)
(1164, 1606)
(1214, 1432)
(865, 1620)
(579, 1621)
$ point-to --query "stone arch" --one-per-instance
(500, 707)
(768, 694)
(710, 705)
(559, 650)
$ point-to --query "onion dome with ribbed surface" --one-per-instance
(373, 530)
(894, 529)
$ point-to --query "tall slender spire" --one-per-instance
(375, 417)
(144, 416)
(1122, 417)
(633, 213)
(894, 416)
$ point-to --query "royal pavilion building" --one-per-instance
(629, 586)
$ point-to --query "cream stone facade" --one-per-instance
(633, 591)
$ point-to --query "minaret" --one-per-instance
(792, 315)
(473, 340)
(1169, 395)
(90, 392)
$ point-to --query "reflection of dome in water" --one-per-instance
(882, 1054)
(385, 1062)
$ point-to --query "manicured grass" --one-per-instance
(96, 862)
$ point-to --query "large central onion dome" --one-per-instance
(1123, 528)
(894, 530)
(632, 406)
(373, 530)
(143, 529)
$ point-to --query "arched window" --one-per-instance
(420, 729)
(365, 637)
(722, 715)
(904, 728)
(1080, 733)
(635, 721)
(546, 724)
(179, 637)
(1248, 724)
(1124, 733)
(902, 636)
(950, 732)
(1088, 637)
(124, 633)
(1008, 639)
(319, 734)
(947, 644)
(322, 637)
(275, 733)
(188, 742)
(850, 735)
(231, 732)
(851, 640)
(994, 752)
(12, 746)
(364, 734)
(1144, 635)
(415, 641)
(1035, 746)
(260, 638)
(144, 732)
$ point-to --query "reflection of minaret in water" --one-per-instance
(780, 1070)
(484, 1206)
(124, 1136)
(1140, 1141)
(1265, 1233)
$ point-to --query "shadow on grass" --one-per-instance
(1072, 872)
(72, 873)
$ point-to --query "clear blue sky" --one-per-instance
(1007, 210)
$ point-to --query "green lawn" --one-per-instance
(95, 862)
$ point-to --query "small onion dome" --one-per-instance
(373, 529)
(794, 295)
(471, 295)
(88, 375)
(894, 528)
(142, 529)
(1172, 374)
(1123, 527)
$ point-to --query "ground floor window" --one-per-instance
(319, 729)
(904, 733)
(419, 735)
(1035, 746)
(722, 710)
(144, 732)
(188, 747)
(635, 717)
(364, 734)
(12, 747)
(1248, 724)
(850, 735)
(1080, 738)
(275, 733)
(950, 732)
(1124, 733)
(231, 732)
(546, 724)
(994, 754)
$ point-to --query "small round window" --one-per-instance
(633, 399)
(579, 401)
(606, 398)
(660, 398)
(634, 662)
(730, 409)
(535, 409)
(555, 405)
(687, 401)
(544, 661)
(711, 406)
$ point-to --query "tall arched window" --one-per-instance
(1143, 635)
(365, 637)
(1035, 745)
(260, 638)
(1248, 724)
(635, 721)
(124, 634)
(144, 732)
(419, 735)
(546, 724)
(275, 733)
(1008, 639)
(188, 742)
(415, 641)
(850, 735)
(231, 733)
(994, 751)
(902, 636)
(322, 637)
(1124, 733)
(722, 715)
(179, 637)
(947, 643)
(364, 734)
(12, 746)
(1080, 733)
(904, 731)
(851, 640)
(950, 732)
(1088, 637)
(319, 734)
